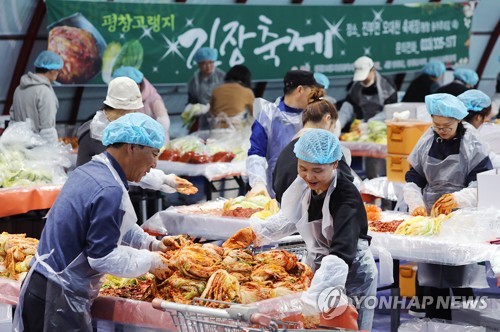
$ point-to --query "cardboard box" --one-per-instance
(487, 189)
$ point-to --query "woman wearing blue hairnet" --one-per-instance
(478, 105)
(426, 83)
(442, 177)
(325, 207)
(463, 80)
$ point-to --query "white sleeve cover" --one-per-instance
(467, 197)
(49, 134)
(412, 195)
(495, 159)
(136, 237)
(256, 170)
(332, 273)
(273, 228)
(152, 180)
(125, 262)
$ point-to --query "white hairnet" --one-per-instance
(134, 128)
(49, 60)
(475, 100)
(318, 146)
(434, 68)
(468, 76)
(444, 104)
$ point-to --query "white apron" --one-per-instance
(317, 235)
(70, 292)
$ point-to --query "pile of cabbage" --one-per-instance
(26, 159)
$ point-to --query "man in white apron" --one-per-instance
(91, 230)
(327, 210)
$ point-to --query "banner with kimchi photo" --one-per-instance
(95, 38)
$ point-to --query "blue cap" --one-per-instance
(318, 146)
(205, 54)
(468, 76)
(49, 60)
(434, 68)
(475, 100)
(444, 104)
(135, 128)
(130, 72)
(322, 79)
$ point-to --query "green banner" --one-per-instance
(94, 38)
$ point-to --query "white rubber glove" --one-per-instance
(180, 185)
(160, 267)
(256, 170)
(466, 197)
(259, 189)
(49, 134)
(412, 195)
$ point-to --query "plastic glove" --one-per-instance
(444, 205)
(169, 243)
(419, 211)
(259, 189)
(49, 134)
(181, 185)
(161, 267)
(241, 239)
(412, 195)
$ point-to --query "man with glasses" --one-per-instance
(91, 231)
(35, 99)
(443, 176)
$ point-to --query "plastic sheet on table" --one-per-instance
(211, 171)
(435, 325)
(178, 220)
(383, 188)
(437, 251)
(366, 149)
(9, 291)
(472, 225)
(482, 311)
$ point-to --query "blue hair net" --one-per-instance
(475, 100)
(130, 72)
(49, 60)
(443, 104)
(434, 68)
(318, 146)
(468, 76)
(135, 128)
(205, 54)
(322, 79)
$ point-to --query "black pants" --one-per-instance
(34, 303)
(435, 311)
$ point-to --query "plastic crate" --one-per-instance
(397, 166)
(403, 136)
(407, 279)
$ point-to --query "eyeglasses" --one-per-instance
(442, 129)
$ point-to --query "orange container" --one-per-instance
(397, 166)
(407, 279)
(403, 136)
